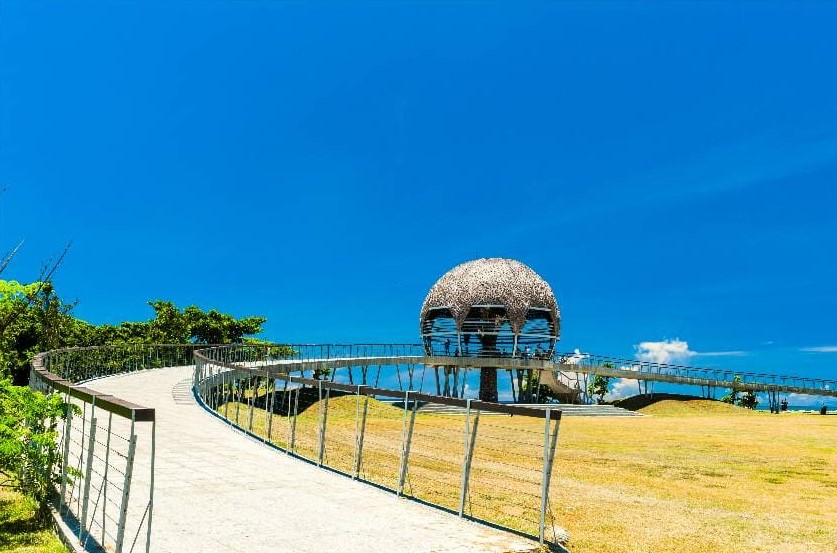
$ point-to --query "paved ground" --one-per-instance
(218, 491)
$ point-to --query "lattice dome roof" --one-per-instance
(492, 281)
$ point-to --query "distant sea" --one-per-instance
(816, 408)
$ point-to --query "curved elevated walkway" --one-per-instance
(588, 364)
(219, 491)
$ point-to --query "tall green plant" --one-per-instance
(749, 400)
(598, 387)
(28, 448)
(733, 397)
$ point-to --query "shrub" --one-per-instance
(28, 450)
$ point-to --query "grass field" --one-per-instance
(19, 531)
(700, 476)
(696, 476)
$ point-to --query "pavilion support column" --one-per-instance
(519, 374)
(530, 384)
(488, 384)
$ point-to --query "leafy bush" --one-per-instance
(28, 449)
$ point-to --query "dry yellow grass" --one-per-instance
(696, 477)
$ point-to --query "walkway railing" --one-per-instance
(330, 355)
(106, 444)
(493, 469)
(496, 469)
(698, 376)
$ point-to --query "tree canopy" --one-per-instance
(33, 318)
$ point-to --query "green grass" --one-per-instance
(20, 531)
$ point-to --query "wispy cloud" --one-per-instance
(820, 349)
(733, 353)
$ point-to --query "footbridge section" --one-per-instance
(327, 357)
(695, 376)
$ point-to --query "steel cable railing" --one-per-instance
(389, 437)
(650, 370)
(106, 445)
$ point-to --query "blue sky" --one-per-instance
(670, 168)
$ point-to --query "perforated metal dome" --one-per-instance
(501, 301)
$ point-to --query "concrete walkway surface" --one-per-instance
(219, 491)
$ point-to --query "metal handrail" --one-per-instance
(650, 368)
(215, 370)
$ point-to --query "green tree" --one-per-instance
(28, 448)
(733, 397)
(598, 387)
(749, 400)
(36, 320)
(171, 325)
(192, 324)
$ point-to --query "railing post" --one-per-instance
(269, 400)
(469, 439)
(237, 394)
(151, 488)
(105, 479)
(359, 434)
(81, 452)
(548, 460)
(323, 419)
(68, 428)
(88, 469)
(126, 489)
(292, 429)
(213, 386)
(205, 382)
(227, 395)
(252, 402)
(407, 440)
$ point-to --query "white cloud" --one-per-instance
(667, 351)
(575, 358)
(677, 351)
(808, 400)
(821, 349)
(622, 387)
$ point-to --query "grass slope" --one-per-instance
(677, 404)
(19, 531)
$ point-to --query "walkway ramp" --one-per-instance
(219, 491)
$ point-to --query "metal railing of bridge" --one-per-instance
(743, 380)
(483, 461)
(106, 445)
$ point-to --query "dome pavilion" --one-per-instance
(490, 307)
